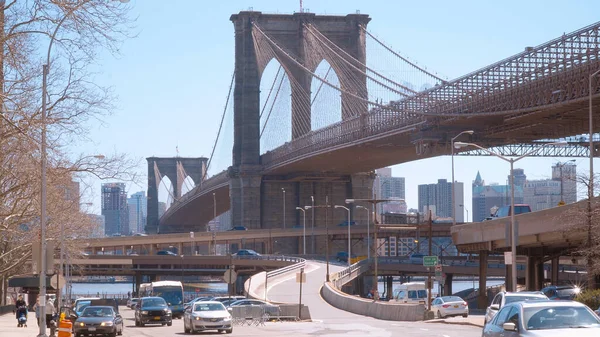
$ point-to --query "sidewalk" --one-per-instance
(8, 326)
(473, 320)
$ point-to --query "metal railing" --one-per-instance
(346, 275)
(298, 263)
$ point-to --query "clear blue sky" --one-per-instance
(172, 79)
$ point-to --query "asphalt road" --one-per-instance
(327, 327)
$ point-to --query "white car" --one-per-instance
(446, 306)
(207, 315)
(503, 298)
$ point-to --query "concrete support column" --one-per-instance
(539, 274)
(482, 300)
(389, 291)
(245, 199)
(554, 270)
(448, 284)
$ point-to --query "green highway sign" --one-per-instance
(430, 261)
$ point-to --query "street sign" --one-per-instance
(507, 258)
(300, 277)
(230, 276)
(57, 281)
(438, 271)
(430, 261)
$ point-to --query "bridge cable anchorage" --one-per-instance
(441, 80)
(327, 43)
(220, 127)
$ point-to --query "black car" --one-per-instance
(98, 321)
(152, 310)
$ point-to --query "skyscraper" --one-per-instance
(438, 199)
(137, 205)
(546, 193)
(114, 209)
(388, 187)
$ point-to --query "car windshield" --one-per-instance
(97, 312)
(511, 299)
(208, 307)
(563, 317)
(452, 299)
(154, 302)
(81, 305)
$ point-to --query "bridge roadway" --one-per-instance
(544, 232)
(184, 241)
(520, 99)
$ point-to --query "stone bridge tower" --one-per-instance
(195, 168)
(251, 192)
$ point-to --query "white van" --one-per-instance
(411, 292)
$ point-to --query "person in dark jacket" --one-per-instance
(19, 305)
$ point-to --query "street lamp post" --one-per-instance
(368, 233)
(373, 202)
(349, 238)
(303, 228)
(513, 243)
(326, 206)
(283, 190)
(470, 132)
(560, 166)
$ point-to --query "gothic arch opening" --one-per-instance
(275, 107)
(326, 102)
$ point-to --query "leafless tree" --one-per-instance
(75, 102)
(585, 220)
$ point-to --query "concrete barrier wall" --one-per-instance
(380, 310)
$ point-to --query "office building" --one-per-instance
(114, 209)
(97, 225)
(388, 187)
(138, 209)
(488, 197)
(547, 193)
(438, 199)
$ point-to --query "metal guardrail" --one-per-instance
(346, 275)
(299, 263)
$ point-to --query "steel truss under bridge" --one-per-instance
(571, 150)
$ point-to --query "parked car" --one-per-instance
(207, 315)
(503, 298)
(153, 310)
(246, 252)
(271, 310)
(98, 320)
(447, 306)
(227, 298)
(166, 252)
(543, 318)
(345, 223)
(567, 292)
(238, 228)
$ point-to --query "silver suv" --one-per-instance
(503, 298)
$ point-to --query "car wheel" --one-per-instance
(170, 323)
(229, 330)
(439, 314)
(142, 324)
(466, 315)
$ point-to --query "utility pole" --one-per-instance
(326, 206)
(429, 287)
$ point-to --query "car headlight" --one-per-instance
(106, 324)
(198, 318)
(167, 311)
(144, 312)
(81, 324)
(228, 318)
